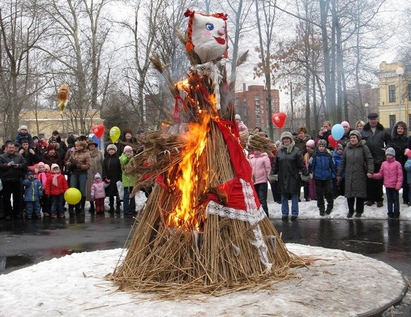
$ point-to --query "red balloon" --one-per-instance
(279, 119)
(98, 130)
(332, 142)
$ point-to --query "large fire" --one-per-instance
(189, 181)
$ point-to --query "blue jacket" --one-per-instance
(322, 165)
(407, 167)
(337, 159)
(33, 189)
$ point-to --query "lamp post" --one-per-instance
(399, 71)
(366, 111)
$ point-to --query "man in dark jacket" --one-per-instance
(12, 168)
(376, 138)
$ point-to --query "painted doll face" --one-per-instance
(209, 37)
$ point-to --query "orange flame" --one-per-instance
(184, 215)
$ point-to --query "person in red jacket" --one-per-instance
(56, 185)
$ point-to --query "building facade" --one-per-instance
(395, 94)
(251, 105)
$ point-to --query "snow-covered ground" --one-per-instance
(337, 283)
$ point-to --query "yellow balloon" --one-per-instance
(72, 196)
(114, 134)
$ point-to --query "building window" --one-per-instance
(409, 92)
(392, 120)
(391, 93)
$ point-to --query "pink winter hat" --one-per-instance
(310, 143)
(127, 148)
(408, 153)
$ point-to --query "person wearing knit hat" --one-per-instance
(391, 172)
(112, 174)
(33, 190)
(111, 147)
(287, 166)
(357, 164)
(356, 133)
(310, 143)
(322, 143)
(56, 186)
(22, 135)
(322, 167)
(127, 148)
(78, 162)
(98, 193)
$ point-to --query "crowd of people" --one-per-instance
(358, 166)
(35, 174)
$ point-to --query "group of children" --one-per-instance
(44, 190)
(323, 165)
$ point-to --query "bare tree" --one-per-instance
(77, 56)
(21, 28)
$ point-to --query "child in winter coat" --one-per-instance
(56, 185)
(98, 193)
(33, 192)
(261, 167)
(322, 166)
(391, 171)
(407, 167)
(42, 176)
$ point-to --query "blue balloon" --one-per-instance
(337, 131)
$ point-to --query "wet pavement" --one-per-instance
(26, 242)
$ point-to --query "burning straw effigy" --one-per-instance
(203, 229)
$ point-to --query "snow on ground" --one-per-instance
(75, 285)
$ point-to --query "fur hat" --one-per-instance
(83, 144)
(112, 146)
(54, 165)
(286, 134)
(127, 148)
(127, 130)
(97, 176)
(310, 143)
(356, 133)
(237, 117)
(90, 142)
(23, 127)
(390, 151)
(322, 142)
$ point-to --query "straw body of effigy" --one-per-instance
(211, 247)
